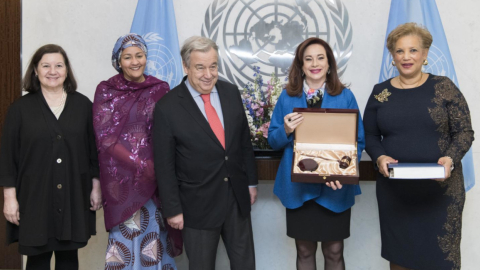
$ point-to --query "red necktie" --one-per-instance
(213, 119)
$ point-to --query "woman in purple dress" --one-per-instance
(122, 115)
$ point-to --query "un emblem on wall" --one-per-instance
(438, 64)
(160, 60)
(266, 33)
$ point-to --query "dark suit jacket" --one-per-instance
(193, 170)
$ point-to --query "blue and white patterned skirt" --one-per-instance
(140, 242)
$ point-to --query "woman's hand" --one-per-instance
(382, 163)
(10, 205)
(446, 162)
(291, 121)
(149, 171)
(334, 185)
(96, 195)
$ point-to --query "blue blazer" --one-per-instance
(291, 194)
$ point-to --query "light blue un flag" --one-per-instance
(425, 12)
(155, 21)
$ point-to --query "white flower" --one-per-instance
(250, 122)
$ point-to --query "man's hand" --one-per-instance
(253, 194)
(176, 222)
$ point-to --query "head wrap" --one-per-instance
(124, 42)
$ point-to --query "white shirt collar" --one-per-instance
(194, 92)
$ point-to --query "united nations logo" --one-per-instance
(266, 33)
(438, 64)
(160, 61)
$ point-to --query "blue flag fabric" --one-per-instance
(155, 21)
(425, 12)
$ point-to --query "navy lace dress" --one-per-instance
(420, 220)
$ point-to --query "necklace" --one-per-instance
(415, 83)
(56, 110)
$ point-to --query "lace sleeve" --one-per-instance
(453, 117)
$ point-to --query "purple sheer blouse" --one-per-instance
(122, 118)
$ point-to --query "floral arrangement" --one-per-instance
(259, 100)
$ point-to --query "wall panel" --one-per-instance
(10, 89)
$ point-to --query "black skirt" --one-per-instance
(313, 222)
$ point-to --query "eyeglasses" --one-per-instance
(309, 164)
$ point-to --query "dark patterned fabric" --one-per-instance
(141, 242)
(420, 220)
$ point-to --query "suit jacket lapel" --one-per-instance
(191, 107)
(228, 114)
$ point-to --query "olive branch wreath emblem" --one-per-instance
(343, 33)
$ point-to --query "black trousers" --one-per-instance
(64, 260)
(236, 232)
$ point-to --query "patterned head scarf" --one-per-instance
(124, 42)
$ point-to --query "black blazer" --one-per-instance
(51, 163)
(193, 170)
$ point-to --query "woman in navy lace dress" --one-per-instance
(418, 117)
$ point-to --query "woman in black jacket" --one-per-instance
(48, 164)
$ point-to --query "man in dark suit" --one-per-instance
(204, 161)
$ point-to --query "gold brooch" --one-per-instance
(383, 96)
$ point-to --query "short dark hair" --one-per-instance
(31, 83)
(295, 77)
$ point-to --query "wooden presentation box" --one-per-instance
(325, 146)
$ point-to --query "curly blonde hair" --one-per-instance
(408, 29)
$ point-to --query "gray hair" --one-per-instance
(196, 43)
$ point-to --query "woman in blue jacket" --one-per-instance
(315, 212)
